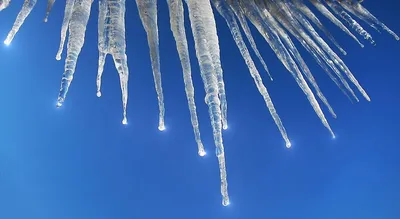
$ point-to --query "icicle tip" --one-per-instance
(225, 127)
(7, 42)
(225, 202)
(288, 144)
(202, 153)
(161, 127)
(98, 94)
(125, 121)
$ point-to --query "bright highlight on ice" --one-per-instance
(283, 24)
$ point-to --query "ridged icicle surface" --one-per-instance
(283, 24)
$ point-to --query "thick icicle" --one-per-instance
(50, 4)
(148, 15)
(112, 41)
(23, 14)
(4, 4)
(325, 11)
(350, 20)
(69, 5)
(77, 28)
(176, 13)
(229, 17)
(213, 48)
(196, 8)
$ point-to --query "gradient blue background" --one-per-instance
(81, 162)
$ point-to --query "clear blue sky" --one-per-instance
(80, 162)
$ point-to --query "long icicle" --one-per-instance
(271, 36)
(350, 20)
(148, 15)
(69, 5)
(50, 4)
(196, 8)
(176, 13)
(325, 11)
(213, 48)
(247, 31)
(77, 28)
(23, 14)
(227, 13)
(362, 13)
(112, 41)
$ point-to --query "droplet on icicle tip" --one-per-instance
(161, 127)
(98, 94)
(225, 127)
(7, 42)
(202, 153)
(125, 121)
(288, 144)
(225, 202)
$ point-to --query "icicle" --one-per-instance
(50, 4)
(278, 8)
(310, 15)
(23, 14)
(77, 28)
(258, 19)
(196, 8)
(353, 23)
(112, 41)
(246, 30)
(4, 4)
(148, 15)
(228, 15)
(362, 13)
(314, 50)
(69, 5)
(176, 13)
(213, 48)
(321, 7)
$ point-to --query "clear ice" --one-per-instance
(280, 22)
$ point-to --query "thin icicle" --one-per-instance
(77, 28)
(196, 8)
(112, 41)
(148, 15)
(277, 9)
(23, 14)
(362, 13)
(228, 15)
(69, 5)
(273, 39)
(310, 15)
(246, 30)
(50, 4)
(176, 13)
(353, 23)
(325, 11)
(4, 4)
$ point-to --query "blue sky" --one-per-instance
(80, 162)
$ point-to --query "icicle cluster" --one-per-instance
(278, 21)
